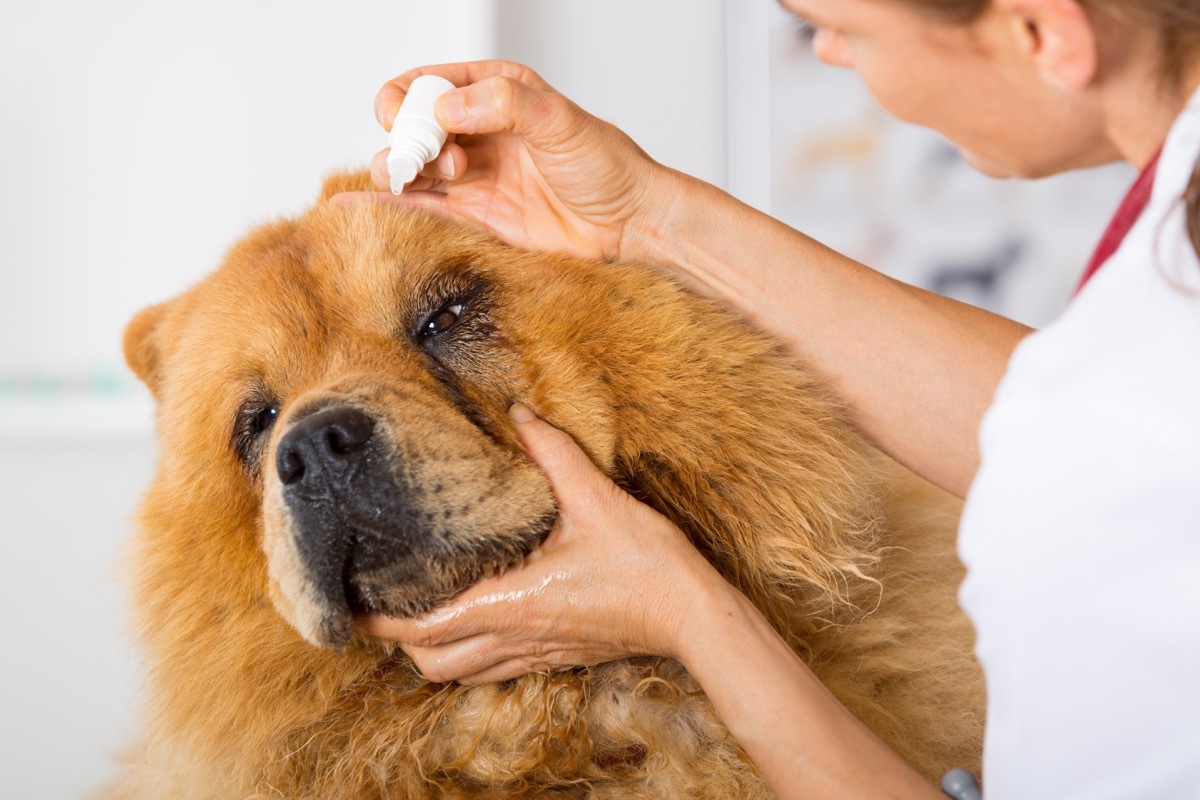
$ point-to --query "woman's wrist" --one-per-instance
(687, 605)
(672, 203)
(698, 233)
(713, 605)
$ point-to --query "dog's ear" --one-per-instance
(339, 182)
(143, 347)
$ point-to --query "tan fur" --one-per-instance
(851, 559)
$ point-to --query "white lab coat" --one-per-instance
(1081, 533)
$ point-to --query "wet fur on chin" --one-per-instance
(461, 573)
(851, 559)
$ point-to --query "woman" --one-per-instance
(1082, 526)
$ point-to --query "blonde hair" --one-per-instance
(1178, 25)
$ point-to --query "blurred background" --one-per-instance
(140, 139)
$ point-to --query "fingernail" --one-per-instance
(520, 413)
(445, 165)
(450, 109)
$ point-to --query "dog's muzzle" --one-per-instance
(367, 519)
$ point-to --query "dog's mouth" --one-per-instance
(381, 573)
(376, 574)
(412, 584)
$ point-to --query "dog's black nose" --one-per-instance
(324, 447)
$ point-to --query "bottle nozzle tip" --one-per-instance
(401, 172)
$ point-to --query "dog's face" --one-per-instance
(344, 380)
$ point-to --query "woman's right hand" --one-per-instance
(532, 166)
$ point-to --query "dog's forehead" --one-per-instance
(294, 294)
(334, 268)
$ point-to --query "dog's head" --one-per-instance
(342, 383)
(333, 419)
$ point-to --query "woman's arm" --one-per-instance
(803, 741)
(917, 369)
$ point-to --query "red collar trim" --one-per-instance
(1127, 214)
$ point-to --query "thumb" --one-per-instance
(541, 118)
(573, 477)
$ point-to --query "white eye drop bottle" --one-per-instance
(416, 138)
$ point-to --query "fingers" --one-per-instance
(457, 622)
(433, 202)
(456, 660)
(389, 97)
(479, 659)
(379, 170)
(469, 667)
(573, 477)
(450, 165)
(494, 96)
(543, 119)
(504, 671)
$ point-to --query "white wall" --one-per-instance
(654, 69)
(69, 684)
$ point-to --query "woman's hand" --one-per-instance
(613, 579)
(531, 165)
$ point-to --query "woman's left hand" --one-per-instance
(613, 579)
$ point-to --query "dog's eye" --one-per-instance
(254, 419)
(443, 320)
(263, 420)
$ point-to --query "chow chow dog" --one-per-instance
(334, 438)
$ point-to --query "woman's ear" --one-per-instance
(142, 345)
(1059, 38)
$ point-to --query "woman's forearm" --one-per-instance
(917, 369)
(803, 741)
